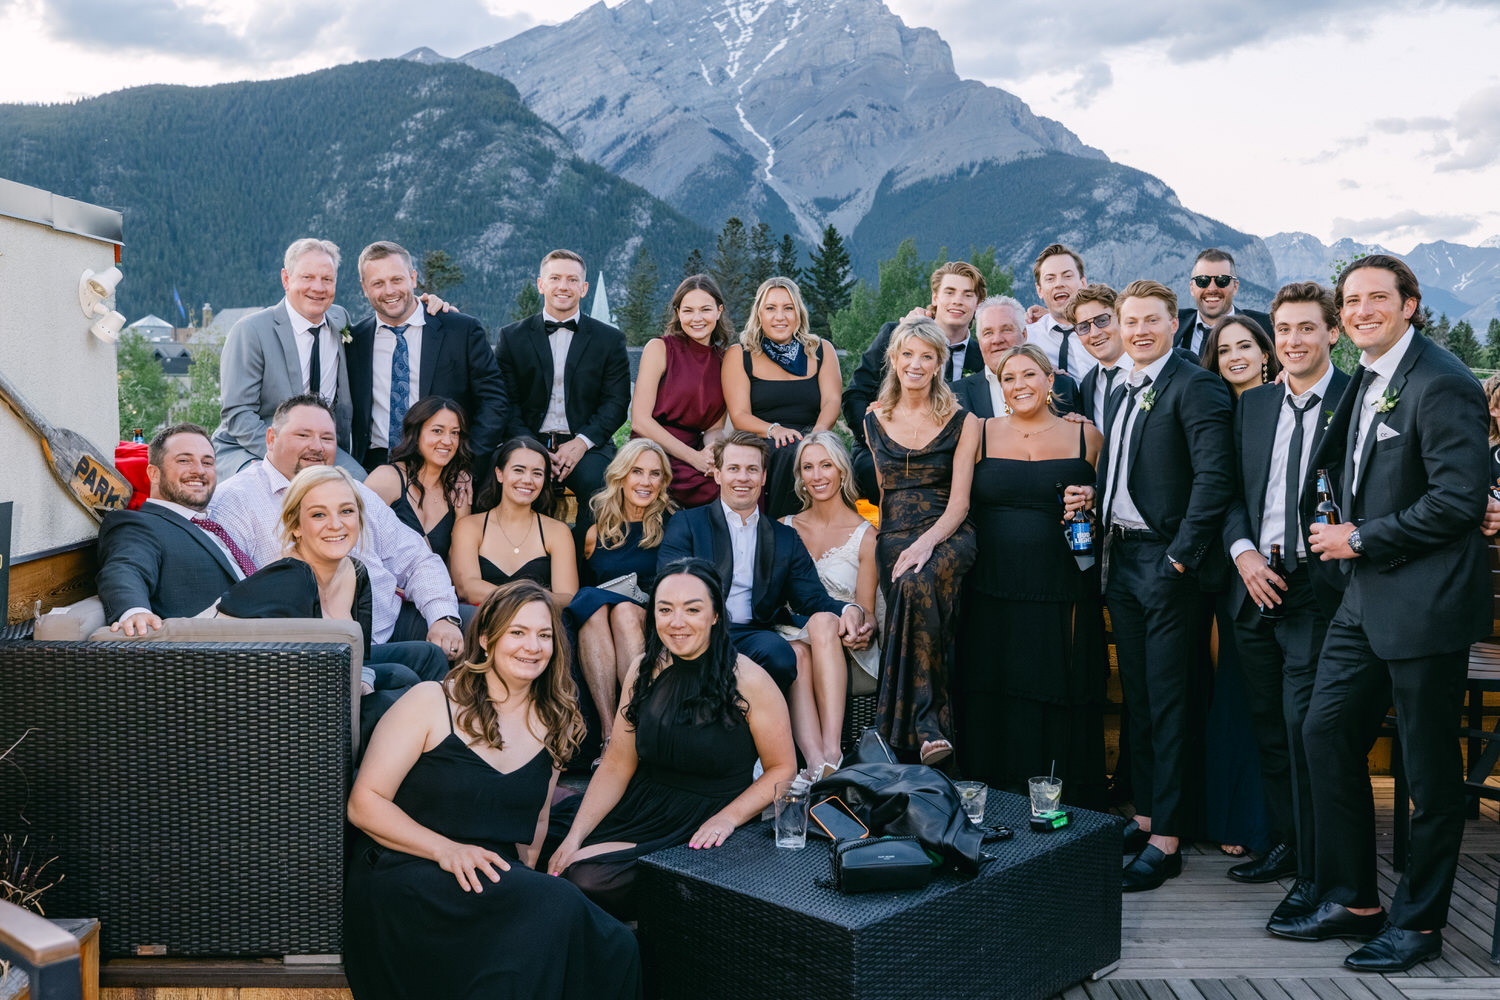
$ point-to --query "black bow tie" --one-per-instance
(551, 326)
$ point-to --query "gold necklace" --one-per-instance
(515, 549)
(1027, 434)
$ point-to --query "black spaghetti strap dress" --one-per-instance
(440, 538)
(794, 403)
(538, 570)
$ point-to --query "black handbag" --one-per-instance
(870, 865)
(909, 800)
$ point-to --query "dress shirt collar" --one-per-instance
(301, 323)
(277, 481)
(1385, 366)
(577, 316)
(177, 508)
(1152, 371)
(734, 519)
(417, 318)
(1320, 388)
(1124, 363)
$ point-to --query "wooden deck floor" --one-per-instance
(1203, 937)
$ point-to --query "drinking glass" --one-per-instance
(792, 800)
(1046, 794)
(973, 795)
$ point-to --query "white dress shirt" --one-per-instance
(380, 390)
(1125, 364)
(740, 601)
(1384, 367)
(1042, 334)
(1273, 510)
(997, 398)
(556, 417)
(1120, 508)
(956, 354)
(328, 358)
(248, 505)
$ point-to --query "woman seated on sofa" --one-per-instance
(427, 482)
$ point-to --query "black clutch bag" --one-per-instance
(870, 865)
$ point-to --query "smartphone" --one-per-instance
(837, 821)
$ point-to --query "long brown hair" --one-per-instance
(554, 696)
(723, 334)
(609, 503)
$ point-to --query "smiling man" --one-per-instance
(1058, 273)
(1212, 284)
(999, 325)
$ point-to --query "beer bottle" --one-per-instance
(1275, 612)
(1078, 527)
(138, 436)
(1327, 511)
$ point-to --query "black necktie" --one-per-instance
(315, 370)
(552, 326)
(1196, 339)
(1110, 401)
(1291, 535)
(956, 361)
(1062, 351)
(1351, 441)
(1129, 392)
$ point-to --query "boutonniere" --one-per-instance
(1327, 418)
(1387, 401)
(346, 335)
(1148, 400)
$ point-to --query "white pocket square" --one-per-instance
(1385, 433)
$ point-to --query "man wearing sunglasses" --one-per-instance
(1212, 285)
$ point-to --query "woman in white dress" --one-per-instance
(842, 544)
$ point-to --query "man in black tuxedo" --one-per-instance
(1408, 449)
(567, 380)
(1279, 623)
(1213, 284)
(168, 559)
(400, 355)
(957, 289)
(1164, 484)
(768, 577)
(1058, 273)
(999, 325)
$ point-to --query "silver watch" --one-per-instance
(1356, 543)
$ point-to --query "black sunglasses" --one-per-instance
(1222, 280)
(1099, 322)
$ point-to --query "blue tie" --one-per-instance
(400, 385)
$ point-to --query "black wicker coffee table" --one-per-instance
(748, 920)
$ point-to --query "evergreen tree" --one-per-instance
(145, 395)
(1463, 343)
(528, 302)
(731, 269)
(1438, 332)
(1492, 344)
(762, 254)
(786, 258)
(693, 263)
(441, 273)
(828, 282)
(641, 310)
(201, 400)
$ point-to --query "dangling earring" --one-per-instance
(1049, 397)
(1265, 371)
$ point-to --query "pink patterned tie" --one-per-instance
(247, 565)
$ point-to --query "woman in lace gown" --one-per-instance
(514, 539)
(426, 483)
(843, 547)
(452, 804)
(923, 444)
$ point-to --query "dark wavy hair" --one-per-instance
(1209, 356)
(408, 454)
(717, 698)
(545, 500)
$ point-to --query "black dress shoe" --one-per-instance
(1302, 900)
(1150, 869)
(1396, 949)
(1279, 862)
(1135, 838)
(1328, 921)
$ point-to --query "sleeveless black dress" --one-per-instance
(538, 570)
(410, 930)
(1033, 667)
(440, 538)
(793, 403)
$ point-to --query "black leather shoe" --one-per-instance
(1150, 869)
(1279, 862)
(1328, 921)
(1301, 901)
(1396, 949)
(1135, 838)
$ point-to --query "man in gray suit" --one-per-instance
(293, 347)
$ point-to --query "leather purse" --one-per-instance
(870, 865)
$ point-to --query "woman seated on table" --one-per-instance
(630, 514)
(452, 804)
(426, 484)
(781, 382)
(842, 544)
(679, 768)
(513, 539)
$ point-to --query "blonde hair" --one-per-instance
(1032, 353)
(305, 482)
(609, 503)
(940, 394)
(848, 489)
(752, 335)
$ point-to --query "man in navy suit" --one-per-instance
(567, 380)
(1408, 448)
(1213, 284)
(167, 559)
(400, 354)
(999, 325)
(768, 577)
(1280, 622)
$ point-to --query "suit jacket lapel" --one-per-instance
(973, 357)
(1158, 386)
(282, 326)
(765, 558)
(432, 341)
(1259, 456)
(1393, 390)
(577, 351)
(1185, 331)
(723, 551)
(537, 334)
(194, 532)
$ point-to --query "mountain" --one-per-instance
(802, 113)
(1460, 281)
(215, 182)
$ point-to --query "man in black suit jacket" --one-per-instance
(957, 289)
(999, 325)
(1279, 623)
(442, 355)
(575, 413)
(1407, 446)
(1164, 485)
(768, 577)
(167, 559)
(1213, 285)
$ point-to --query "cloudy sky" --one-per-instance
(1375, 119)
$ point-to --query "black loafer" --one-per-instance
(1300, 901)
(1135, 838)
(1279, 862)
(1150, 869)
(1328, 921)
(1396, 949)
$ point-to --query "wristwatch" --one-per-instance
(1356, 543)
(457, 621)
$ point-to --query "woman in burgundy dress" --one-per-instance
(679, 398)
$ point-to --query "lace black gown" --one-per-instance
(410, 930)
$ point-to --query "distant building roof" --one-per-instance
(174, 357)
(152, 326)
(219, 328)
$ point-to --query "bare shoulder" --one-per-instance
(385, 483)
(752, 680)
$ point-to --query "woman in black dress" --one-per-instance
(781, 382)
(923, 444)
(679, 768)
(426, 484)
(1034, 666)
(452, 804)
(1492, 400)
(513, 539)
